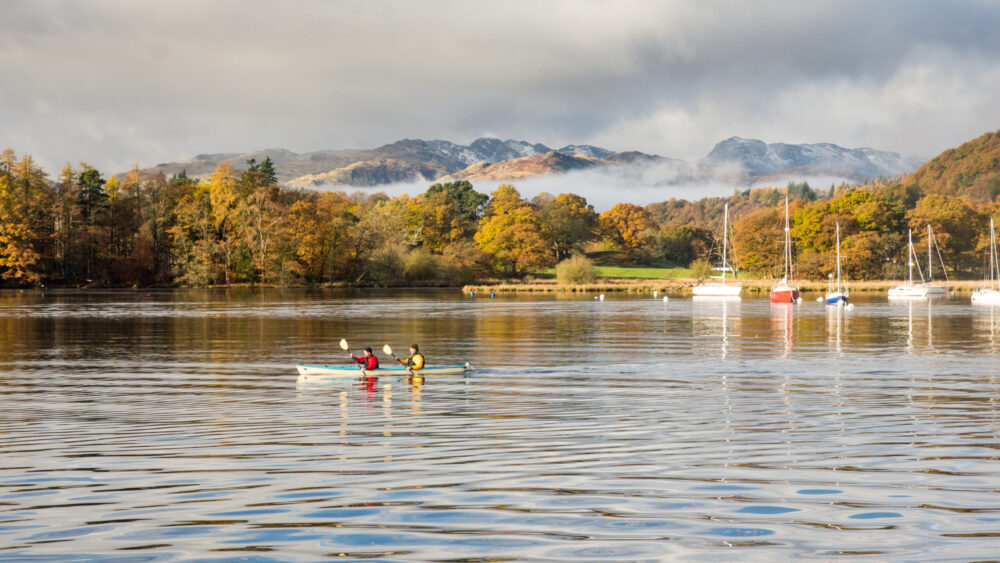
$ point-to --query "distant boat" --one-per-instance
(785, 292)
(838, 296)
(924, 289)
(717, 289)
(990, 295)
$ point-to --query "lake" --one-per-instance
(169, 425)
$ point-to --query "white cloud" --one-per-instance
(147, 82)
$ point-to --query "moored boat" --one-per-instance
(320, 372)
(837, 296)
(720, 289)
(923, 289)
(785, 292)
(990, 295)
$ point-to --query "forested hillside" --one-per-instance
(82, 229)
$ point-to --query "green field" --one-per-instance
(638, 272)
(628, 272)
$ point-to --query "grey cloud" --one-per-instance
(122, 82)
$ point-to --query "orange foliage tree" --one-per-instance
(630, 226)
(509, 231)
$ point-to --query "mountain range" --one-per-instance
(738, 161)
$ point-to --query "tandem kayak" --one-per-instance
(310, 372)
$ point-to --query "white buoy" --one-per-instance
(654, 293)
(601, 297)
(850, 306)
(799, 300)
(819, 299)
(665, 298)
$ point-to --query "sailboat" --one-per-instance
(717, 289)
(784, 292)
(838, 296)
(990, 295)
(924, 289)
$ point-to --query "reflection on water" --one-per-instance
(169, 425)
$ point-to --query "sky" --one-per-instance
(144, 82)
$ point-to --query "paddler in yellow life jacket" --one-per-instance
(416, 359)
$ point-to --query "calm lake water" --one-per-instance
(158, 426)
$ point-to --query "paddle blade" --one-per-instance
(387, 349)
(343, 344)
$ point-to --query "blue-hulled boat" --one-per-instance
(837, 296)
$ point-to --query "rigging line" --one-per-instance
(940, 259)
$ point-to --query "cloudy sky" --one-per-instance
(117, 83)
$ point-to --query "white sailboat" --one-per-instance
(838, 296)
(990, 295)
(720, 289)
(924, 289)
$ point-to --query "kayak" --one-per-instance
(316, 372)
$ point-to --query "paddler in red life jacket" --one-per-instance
(369, 361)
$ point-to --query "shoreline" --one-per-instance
(683, 286)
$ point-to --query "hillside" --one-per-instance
(737, 162)
(525, 167)
(971, 170)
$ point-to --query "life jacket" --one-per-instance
(416, 361)
(371, 362)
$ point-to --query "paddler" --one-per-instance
(416, 359)
(369, 361)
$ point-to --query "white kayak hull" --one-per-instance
(317, 371)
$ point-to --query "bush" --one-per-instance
(384, 265)
(576, 269)
(420, 265)
(701, 269)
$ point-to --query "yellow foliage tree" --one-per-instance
(510, 232)
(628, 225)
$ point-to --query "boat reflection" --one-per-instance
(711, 316)
(782, 323)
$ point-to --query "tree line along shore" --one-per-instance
(84, 229)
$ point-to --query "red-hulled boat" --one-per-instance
(785, 291)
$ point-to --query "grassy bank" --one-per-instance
(681, 286)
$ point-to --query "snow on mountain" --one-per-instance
(587, 150)
(769, 158)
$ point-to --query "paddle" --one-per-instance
(344, 346)
(388, 350)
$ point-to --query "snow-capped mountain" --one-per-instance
(736, 161)
(762, 158)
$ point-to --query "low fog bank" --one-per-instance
(605, 187)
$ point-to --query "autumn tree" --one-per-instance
(509, 231)
(567, 221)
(24, 232)
(630, 226)
(957, 227)
(757, 240)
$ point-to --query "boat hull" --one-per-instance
(835, 298)
(717, 290)
(919, 291)
(785, 295)
(323, 372)
(986, 297)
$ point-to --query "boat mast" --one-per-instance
(788, 245)
(994, 267)
(725, 239)
(930, 234)
(838, 257)
(909, 255)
